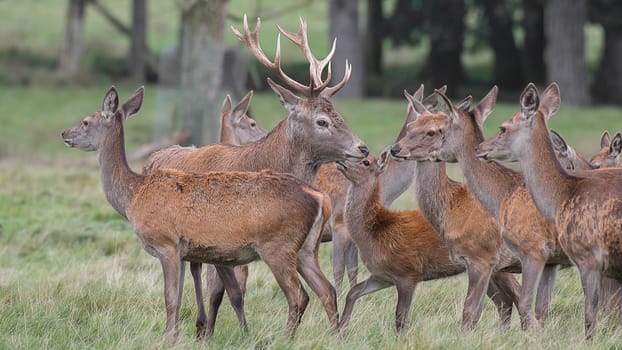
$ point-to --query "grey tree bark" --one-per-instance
(375, 36)
(564, 22)
(137, 60)
(344, 25)
(607, 86)
(533, 47)
(71, 50)
(202, 53)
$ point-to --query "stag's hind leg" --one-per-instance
(236, 296)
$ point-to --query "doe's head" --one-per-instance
(609, 155)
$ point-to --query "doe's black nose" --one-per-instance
(364, 150)
(395, 150)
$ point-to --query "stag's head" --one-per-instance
(236, 127)
(514, 134)
(609, 154)
(312, 120)
(98, 128)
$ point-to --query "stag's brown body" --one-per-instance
(398, 248)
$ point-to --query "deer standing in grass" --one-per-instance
(502, 192)
(585, 206)
(312, 134)
(471, 234)
(398, 248)
(212, 217)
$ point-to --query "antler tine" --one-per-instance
(330, 91)
(251, 39)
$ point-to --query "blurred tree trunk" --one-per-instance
(564, 22)
(344, 25)
(507, 58)
(533, 47)
(374, 37)
(137, 60)
(446, 32)
(202, 53)
(607, 86)
(71, 50)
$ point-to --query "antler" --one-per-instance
(316, 85)
(252, 41)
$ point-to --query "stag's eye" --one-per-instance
(366, 162)
(323, 123)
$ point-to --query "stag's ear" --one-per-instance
(383, 160)
(111, 101)
(288, 99)
(132, 105)
(486, 105)
(529, 101)
(550, 100)
(445, 106)
(242, 107)
(616, 146)
(559, 144)
(464, 104)
(605, 141)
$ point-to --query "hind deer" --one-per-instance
(398, 248)
(585, 206)
(180, 216)
(313, 133)
(570, 159)
(471, 234)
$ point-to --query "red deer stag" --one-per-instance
(471, 234)
(398, 248)
(181, 216)
(312, 134)
(585, 206)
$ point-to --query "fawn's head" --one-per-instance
(312, 120)
(237, 128)
(365, 170)
(609, 154)
(94, 130)
(515, 132)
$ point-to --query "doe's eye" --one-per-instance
(253, 124)
(501, 129)
(85, 123)
(430, 133)
(366, 162)
(323, 123)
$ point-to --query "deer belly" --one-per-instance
(219, 255)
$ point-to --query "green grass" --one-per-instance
(74, 276)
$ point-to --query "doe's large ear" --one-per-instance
(529, 101)
(486, 105)
(616, 146)
(111, 100)
(550, 100)
(383, 160)
(431, 100)
(605, 141)
(242, 107)
(465, 104)
(133, 104)
(559, 144)
(415, 107)
(445, 106)
(288, 99)
(226, 105)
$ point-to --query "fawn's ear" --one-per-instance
(550, 100)
(383, 160)
(529, 101)
(242, 107)
(616, 146)
(605, 141)
(133, 104)
(111, 101)
(559, 144)
(445, 106)
(288, 99)
(486, 105)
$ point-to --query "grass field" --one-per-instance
(72, 274)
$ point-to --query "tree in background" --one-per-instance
(137, 60)
(71, 50)
(564, 22)
(607, 86)
(344, 25)
(534, 68)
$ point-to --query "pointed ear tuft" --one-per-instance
(133, 104)
(486, 105)
(111, 100)
(242, 107)
(529, 101)
(616, 146)
(605, 141)
(559, 144)
(550, 100)
(288, 99)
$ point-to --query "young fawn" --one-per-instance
(399, 249)
(586, 206)
(205, 218)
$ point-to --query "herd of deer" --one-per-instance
(274, 196)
